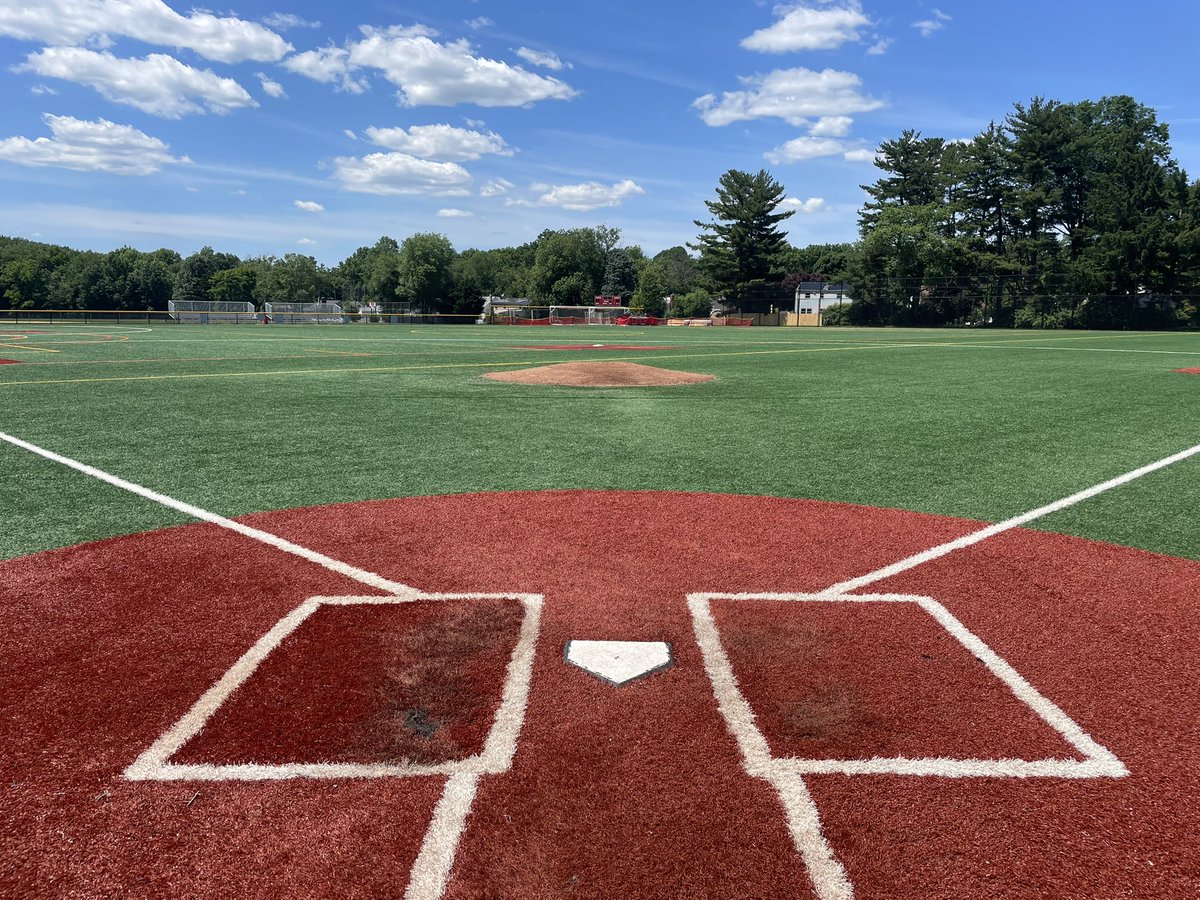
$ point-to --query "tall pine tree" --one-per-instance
(744, 243)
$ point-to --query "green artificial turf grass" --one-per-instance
(977, 424)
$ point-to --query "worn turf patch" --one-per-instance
(599, 374)
(422, 686)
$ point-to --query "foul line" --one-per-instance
(360, 575)
(983, 534)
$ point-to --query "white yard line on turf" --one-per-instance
(360, 575)
(983, 534)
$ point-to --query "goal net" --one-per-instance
(586, 315)
(325, 312)
(211, 312)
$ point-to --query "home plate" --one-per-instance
(619, 662)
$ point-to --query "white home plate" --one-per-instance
(619, 662)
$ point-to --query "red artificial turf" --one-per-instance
(1192, 371)
(635, 791)
(594, 347)
(9, 362)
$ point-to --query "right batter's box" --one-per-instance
(879, 684)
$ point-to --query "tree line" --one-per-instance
(1061, 215)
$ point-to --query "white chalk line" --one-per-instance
(353, 572)
(432, 869)
(983, 534)
(786, 775)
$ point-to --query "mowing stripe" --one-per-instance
(360, 575)
(983, 534)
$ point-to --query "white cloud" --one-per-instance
(586, 196)
(306, 242)
(399, 173)
(880, 47)
(936, 22)
(427, 72)
(860, 155)
(159, 84)
(810, 27)
(802, 148)
(794, 95)
(451, 213)
(308, 205)
(444, 142)
(85, 146)
(328, 65)
(284, 21)
(496, 187)
(832, 126)
(72, 22)
(545, 59)
(474, 123)
(270, 88)
(350, 134)
(804, 207)
(480, 22)
(40, 89)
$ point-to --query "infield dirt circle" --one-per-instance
(632, 791)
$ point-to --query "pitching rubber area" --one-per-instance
(192, 713)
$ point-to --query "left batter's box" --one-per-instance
(363, 687)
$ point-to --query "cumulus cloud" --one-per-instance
(794, 95)
(399, 173)
(284, 21)
(832, 126)
(880, 47)
(224, 39)
(543, 58)
(804, 207)
(451, 213)
(586, 196)
(40, 89)
(270, 88)
(859, 155)
(308, 205)
(426, 71)
(496, 188)
(936, 22)
(804, 26)
(91, 146)
(444, 142)
(328, 65)
(802, 148)
(159, 84)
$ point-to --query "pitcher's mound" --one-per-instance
(600, 374)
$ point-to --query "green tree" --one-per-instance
(568, 266)
(196, 270)
(424, 271)
(620, 274)
(233, 285)
(743, 242)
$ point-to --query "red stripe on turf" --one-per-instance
(1191, 371)
(9, 362)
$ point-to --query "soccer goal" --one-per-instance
(587, 315)
(325, 312)
(211, 312)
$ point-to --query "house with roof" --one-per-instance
(812, 298)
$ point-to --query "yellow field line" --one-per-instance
(483, 365)
(27, 347)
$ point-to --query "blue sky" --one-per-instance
(315, 128)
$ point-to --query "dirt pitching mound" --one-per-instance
(600, 374)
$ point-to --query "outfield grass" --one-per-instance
(983, 424)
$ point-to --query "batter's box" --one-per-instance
(361, 687)
(858, 684)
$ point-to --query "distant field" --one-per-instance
(981, 424)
